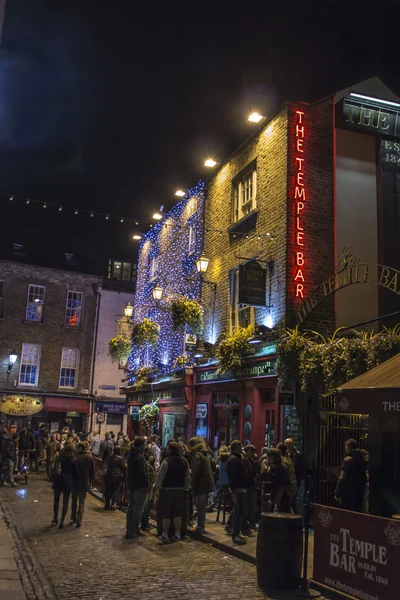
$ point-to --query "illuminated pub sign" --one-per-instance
(371, 115)
(19, 405)
(261, 368)
(300, 200)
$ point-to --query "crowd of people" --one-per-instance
(183, 482)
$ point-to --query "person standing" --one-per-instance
(95, 446)
(138, 484)
(85, 469)
(151, 472)
(114, 478)
(238, 482)
(288, 463)
(64, 482)
(353, 478)
(276, 478)
(156, 451)
(171, 480)
(9, 453)
(298, 459)
(202, 479)
(108, 448)
(254, 474)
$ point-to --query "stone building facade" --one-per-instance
(48, 320)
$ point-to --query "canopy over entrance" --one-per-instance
(375, 392)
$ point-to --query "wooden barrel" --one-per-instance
(279, 550)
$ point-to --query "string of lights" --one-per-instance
(168, 259)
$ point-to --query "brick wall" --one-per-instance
(51, 333)
(269, 149)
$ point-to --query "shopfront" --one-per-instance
(173, 400)
(110, 416)
(241, 405)
(55, 413)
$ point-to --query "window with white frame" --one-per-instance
(244, 194)
(69, 368)
(153, 267)
(241, 315)
(192, 239)
(35, 303)
(29, 369)
(73, 309)
(2, 294)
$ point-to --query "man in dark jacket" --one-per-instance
(138, 484)
(202, 479)
(253, 467)
(352, 480)
(85, 469)
(9, 457)
(238, 476)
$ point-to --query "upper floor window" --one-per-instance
(35, 303)
(69, 368)
(73, 309)
(2, 293)
(120, 271)
(241, 315)
(244, 194)
(29, 369)
(192, 239)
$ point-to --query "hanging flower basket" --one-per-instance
(187, 312)
(119, 348)
(232, 350)
(141, 377)
(148, 414)
(146, 332)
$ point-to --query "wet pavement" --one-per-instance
(95, 562)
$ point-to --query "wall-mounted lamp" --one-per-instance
(157, 293)
(12, 359)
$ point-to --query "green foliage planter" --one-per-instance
(146, 332)
(142, 377)
(188, 312)
(320, 365)
(232, 350)
(119, 348)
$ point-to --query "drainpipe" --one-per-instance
(96, 329)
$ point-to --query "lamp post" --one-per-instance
(202, 266)
(157, 292)
(128, 311)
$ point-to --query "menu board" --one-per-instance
(293, 426)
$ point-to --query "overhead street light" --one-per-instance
(255, 117)
(157, 216)
(180, 193)
(210, 162)
(12, 359)
(136, 236)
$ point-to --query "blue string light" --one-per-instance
(166, 245)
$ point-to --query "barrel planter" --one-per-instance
(279, 551)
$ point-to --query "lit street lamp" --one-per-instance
(202, 264)
(157, 293)
(180, 193)
(210, 162)
(255, 117)
(128, 310)
(12, 359)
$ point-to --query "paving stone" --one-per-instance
(7, 564)
(5, 551)
(9, 584)
(9, 575)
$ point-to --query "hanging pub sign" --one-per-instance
(190, 342)
(252, 284)
(20, 405)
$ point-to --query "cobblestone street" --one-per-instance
(95, 562)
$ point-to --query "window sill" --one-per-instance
(76, 327)
(33, 322)
(245, 224)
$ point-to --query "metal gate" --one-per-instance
(333, 431)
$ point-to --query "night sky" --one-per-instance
(112, 105)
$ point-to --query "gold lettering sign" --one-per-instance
(20, 405)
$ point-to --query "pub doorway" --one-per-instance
(227, 415)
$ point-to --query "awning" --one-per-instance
(54, 404)
(375, 392)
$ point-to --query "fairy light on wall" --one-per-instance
(167, 258)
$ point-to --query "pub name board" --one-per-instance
(368, 116)
(256, 369)
(252, 283)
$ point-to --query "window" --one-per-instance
(69, 367)
(192, 239)
(73, 309)
(2, 291)
(153, 267)
(244, 194)
(119, 271)
(35, 303)
(29, 370)
(242, 315)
